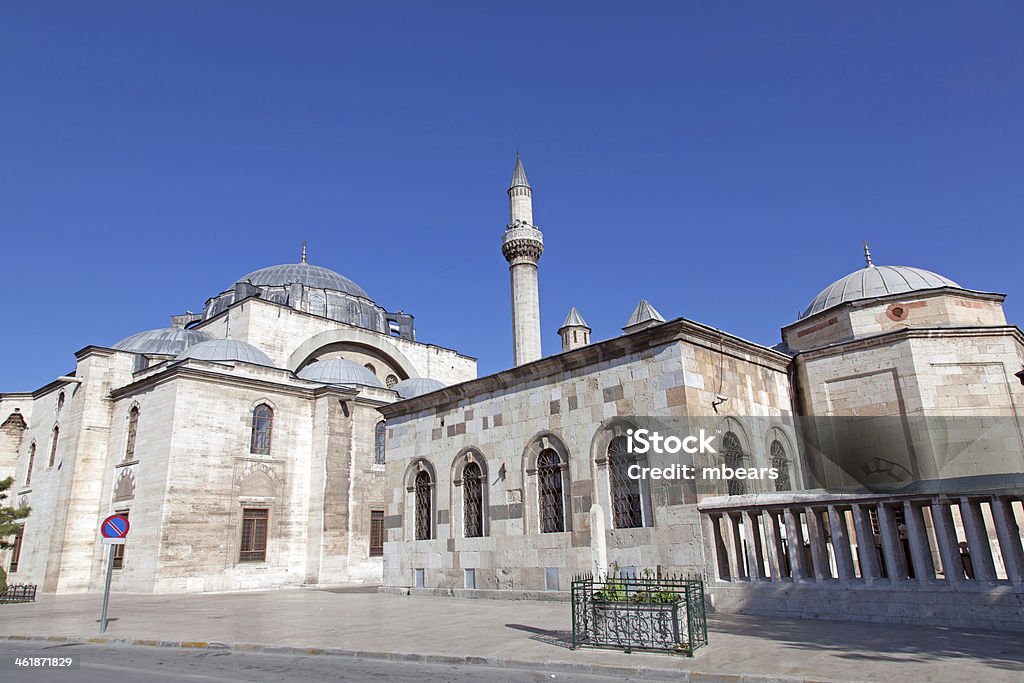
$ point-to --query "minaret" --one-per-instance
(574, 331)
(522, 245)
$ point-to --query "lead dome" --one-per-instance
(226, 350)
(874, 281)
(339, 371)
(166, 341)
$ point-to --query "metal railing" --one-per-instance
(19, 592)
(643, 613)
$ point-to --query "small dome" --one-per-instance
(339, 371)
(417, 386)
(227, 349)
(311, 276)
(168, 341)
(873, 281)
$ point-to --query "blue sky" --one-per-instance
(723, 160)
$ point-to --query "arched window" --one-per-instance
(424, 528)
(133, 428)
(627, 506)
(380, 438)
(732, 453)
(780, 462)
(53, 445)
(60, 401)
(353, 313)
(31, 463)
(472, 500)
(550, 500)
(369, 366)
(262, 426)
(390, 381)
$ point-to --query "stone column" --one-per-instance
(866, 551)
(1009, 539)
(816, 537)
(917, 537)
(977, 540)
(892, 549)
(841, 544)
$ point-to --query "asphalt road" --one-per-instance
(131, 664)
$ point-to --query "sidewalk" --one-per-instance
(523, 634)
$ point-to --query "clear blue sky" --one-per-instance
(723, 160)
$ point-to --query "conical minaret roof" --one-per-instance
(519, 175)
(574, 319)
(644, 313)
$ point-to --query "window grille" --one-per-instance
(390, 381)
(549, 476)
(133, 428)
(380, 437)
(732, 452)
(472, 500)
(254, 535)
(262, 427)
(423, 506)
(781, 463)
(119, 549)
(376, 533)
(626, 501)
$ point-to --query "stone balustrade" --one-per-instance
(947, 551)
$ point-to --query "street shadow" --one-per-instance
(877, 641)
(562, 639)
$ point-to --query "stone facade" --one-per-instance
(574, 404)
(169, 441)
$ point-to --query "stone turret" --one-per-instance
(521, 245)
(574, 331)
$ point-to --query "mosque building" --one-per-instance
(297, 433)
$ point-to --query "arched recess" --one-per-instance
(257, 484)
(411, 478)
(734, 452)
(356, 337)
(610, 430)
(461, 496)
(778, 435)
(882, 471)
(532, 496)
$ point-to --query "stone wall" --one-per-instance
(574, 407)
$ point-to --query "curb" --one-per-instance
(640, 672)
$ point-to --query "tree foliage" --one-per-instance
(9, 515)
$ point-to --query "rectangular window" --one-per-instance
(470, 578)
(16, 549)
(419, 579)
(254, 535)
(119, 549)
(376, 533)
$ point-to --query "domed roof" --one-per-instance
(226, 349)
(873, 281)
(169, 341)
(417, 386)
(339, 371)
(311, 276)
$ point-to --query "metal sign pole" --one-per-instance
(106, 591)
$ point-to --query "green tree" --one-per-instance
(9, 516)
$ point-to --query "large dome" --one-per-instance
(339, 371)
(311, 276)
(168, 341)
(226, 349)
(873, 281)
